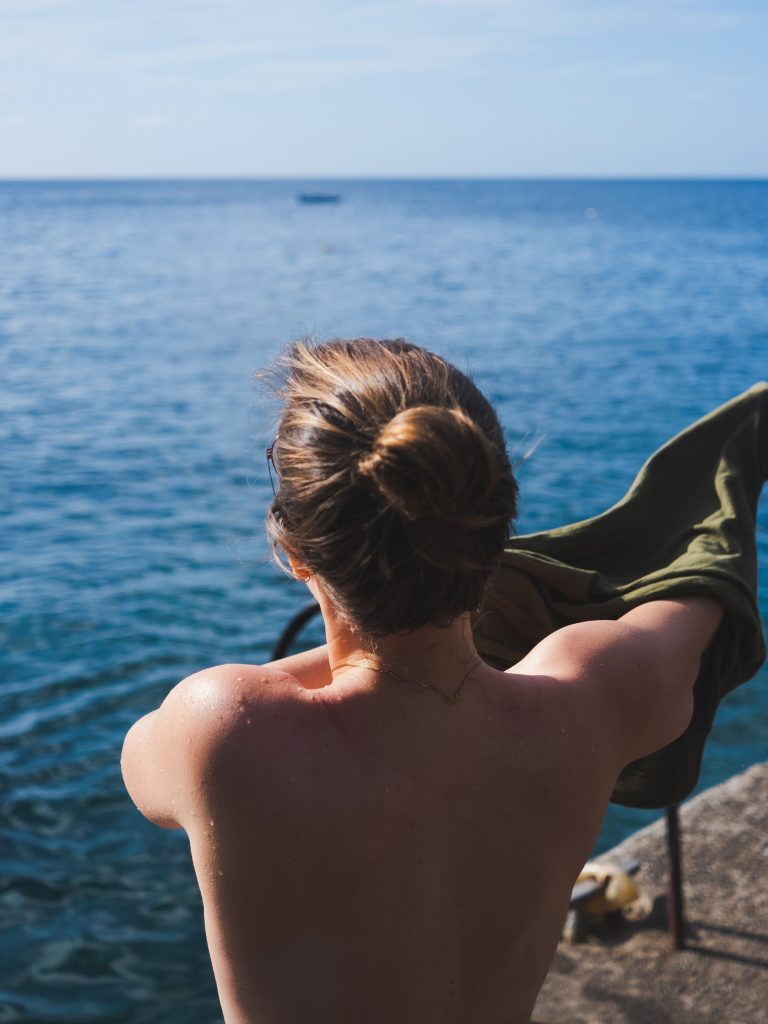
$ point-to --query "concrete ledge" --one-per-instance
(629, 975)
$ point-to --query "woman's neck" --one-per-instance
(440, 658)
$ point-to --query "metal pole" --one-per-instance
(292, 630)
(675, 915)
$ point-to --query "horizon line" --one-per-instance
(45, 178)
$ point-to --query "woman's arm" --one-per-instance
(635, 673)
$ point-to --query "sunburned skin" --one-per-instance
(368, 852)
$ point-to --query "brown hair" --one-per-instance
(394, 483)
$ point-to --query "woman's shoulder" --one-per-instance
(227, 689)
(171, 752)
(207, 705)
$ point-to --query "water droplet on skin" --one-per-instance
(220, 873)
(210, 822)
(248, 721)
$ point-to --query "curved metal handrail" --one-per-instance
(295, 625)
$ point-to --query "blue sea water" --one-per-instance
(601, 317)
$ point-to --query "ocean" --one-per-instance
(600, 317)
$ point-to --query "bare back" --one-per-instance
(385, 857)
(374, 853)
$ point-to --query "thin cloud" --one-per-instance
(621, 71)
(340, 35)
(151, 119)
(26, 7)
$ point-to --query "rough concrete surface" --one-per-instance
(628, 973)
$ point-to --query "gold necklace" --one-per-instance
(451, 698)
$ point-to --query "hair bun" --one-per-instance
(395, 488)
(437, 469)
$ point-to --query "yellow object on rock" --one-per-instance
(620, 891)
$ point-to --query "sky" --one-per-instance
(381, 88)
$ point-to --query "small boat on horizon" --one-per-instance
(318, 197)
